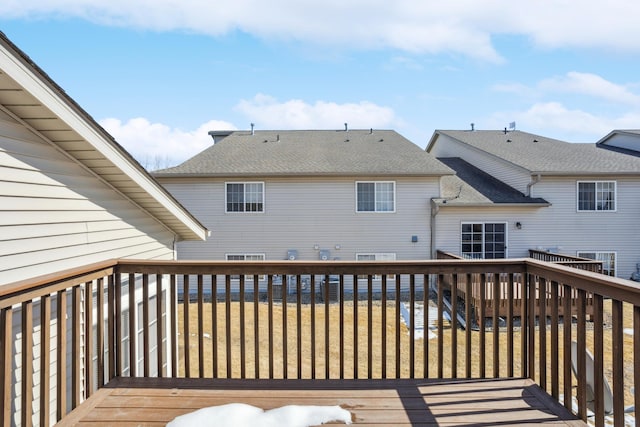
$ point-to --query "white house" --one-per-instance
(69, 194)
(309, 195)
(354, 194)
(579, 199)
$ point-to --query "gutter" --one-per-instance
(435, 208)
(536, 179)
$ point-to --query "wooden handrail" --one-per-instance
(253, 313)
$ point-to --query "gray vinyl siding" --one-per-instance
(514, 176)
(55, 215)
(560, 226)
(302, 212)
(629, 142)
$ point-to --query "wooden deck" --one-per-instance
(154, 402)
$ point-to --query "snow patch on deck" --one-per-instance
(243, 415)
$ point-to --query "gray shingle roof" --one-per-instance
(311, 152)
(538, 154)
(474, 186)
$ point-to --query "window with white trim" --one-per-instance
(596, 196)
(608, 260)
(484, 240)
(245, 257)
(244, 197)
(377, 256)
(376, 196)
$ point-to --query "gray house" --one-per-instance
(309, 195)
(578, 199)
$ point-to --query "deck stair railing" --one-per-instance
(65, 336)
(568, 260)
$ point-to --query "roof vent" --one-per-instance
(252, 132)
(473, 127)
(346, 127)
(535, 140)
(508, 140)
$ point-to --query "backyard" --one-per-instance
(306, 357)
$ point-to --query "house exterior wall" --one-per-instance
(629, 142)
(300, 213)
(510, 174)
(560, 226)
(55, 215)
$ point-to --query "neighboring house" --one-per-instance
(624, 141)
(526, 191)
(309, 195)
(69, 194)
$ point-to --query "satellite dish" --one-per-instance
(590, 378)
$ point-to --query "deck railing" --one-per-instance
(568, 260)
(64, 337)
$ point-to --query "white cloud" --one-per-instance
(156, 145)
(268, 113)
(591, 85)
(556, 120)
(420, 26)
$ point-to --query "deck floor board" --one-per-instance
(154, 402)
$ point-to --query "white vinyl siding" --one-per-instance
(308, 211)
(54, 214)
(378, 196)
(506, 172)
(244, 197)
(596, 196)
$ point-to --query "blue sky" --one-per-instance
(159, 74)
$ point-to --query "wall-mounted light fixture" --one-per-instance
(338, 247)
(519, 225)
(316, 247)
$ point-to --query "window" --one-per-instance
(375, 196)
(484, 240)
(245, 197)
(382, 256)
(245, 257)
(597, 196)
(608, 260)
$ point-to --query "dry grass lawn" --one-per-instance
(351, 352)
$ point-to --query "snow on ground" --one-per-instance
(418, 319)
(243, 415)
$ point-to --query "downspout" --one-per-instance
(434, 212)
(534, 180)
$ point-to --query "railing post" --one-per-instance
(440, 325)
(133, 317)
(27, 367)
(45, 358)
(61, 355)
(6, 371)
(531, 330)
